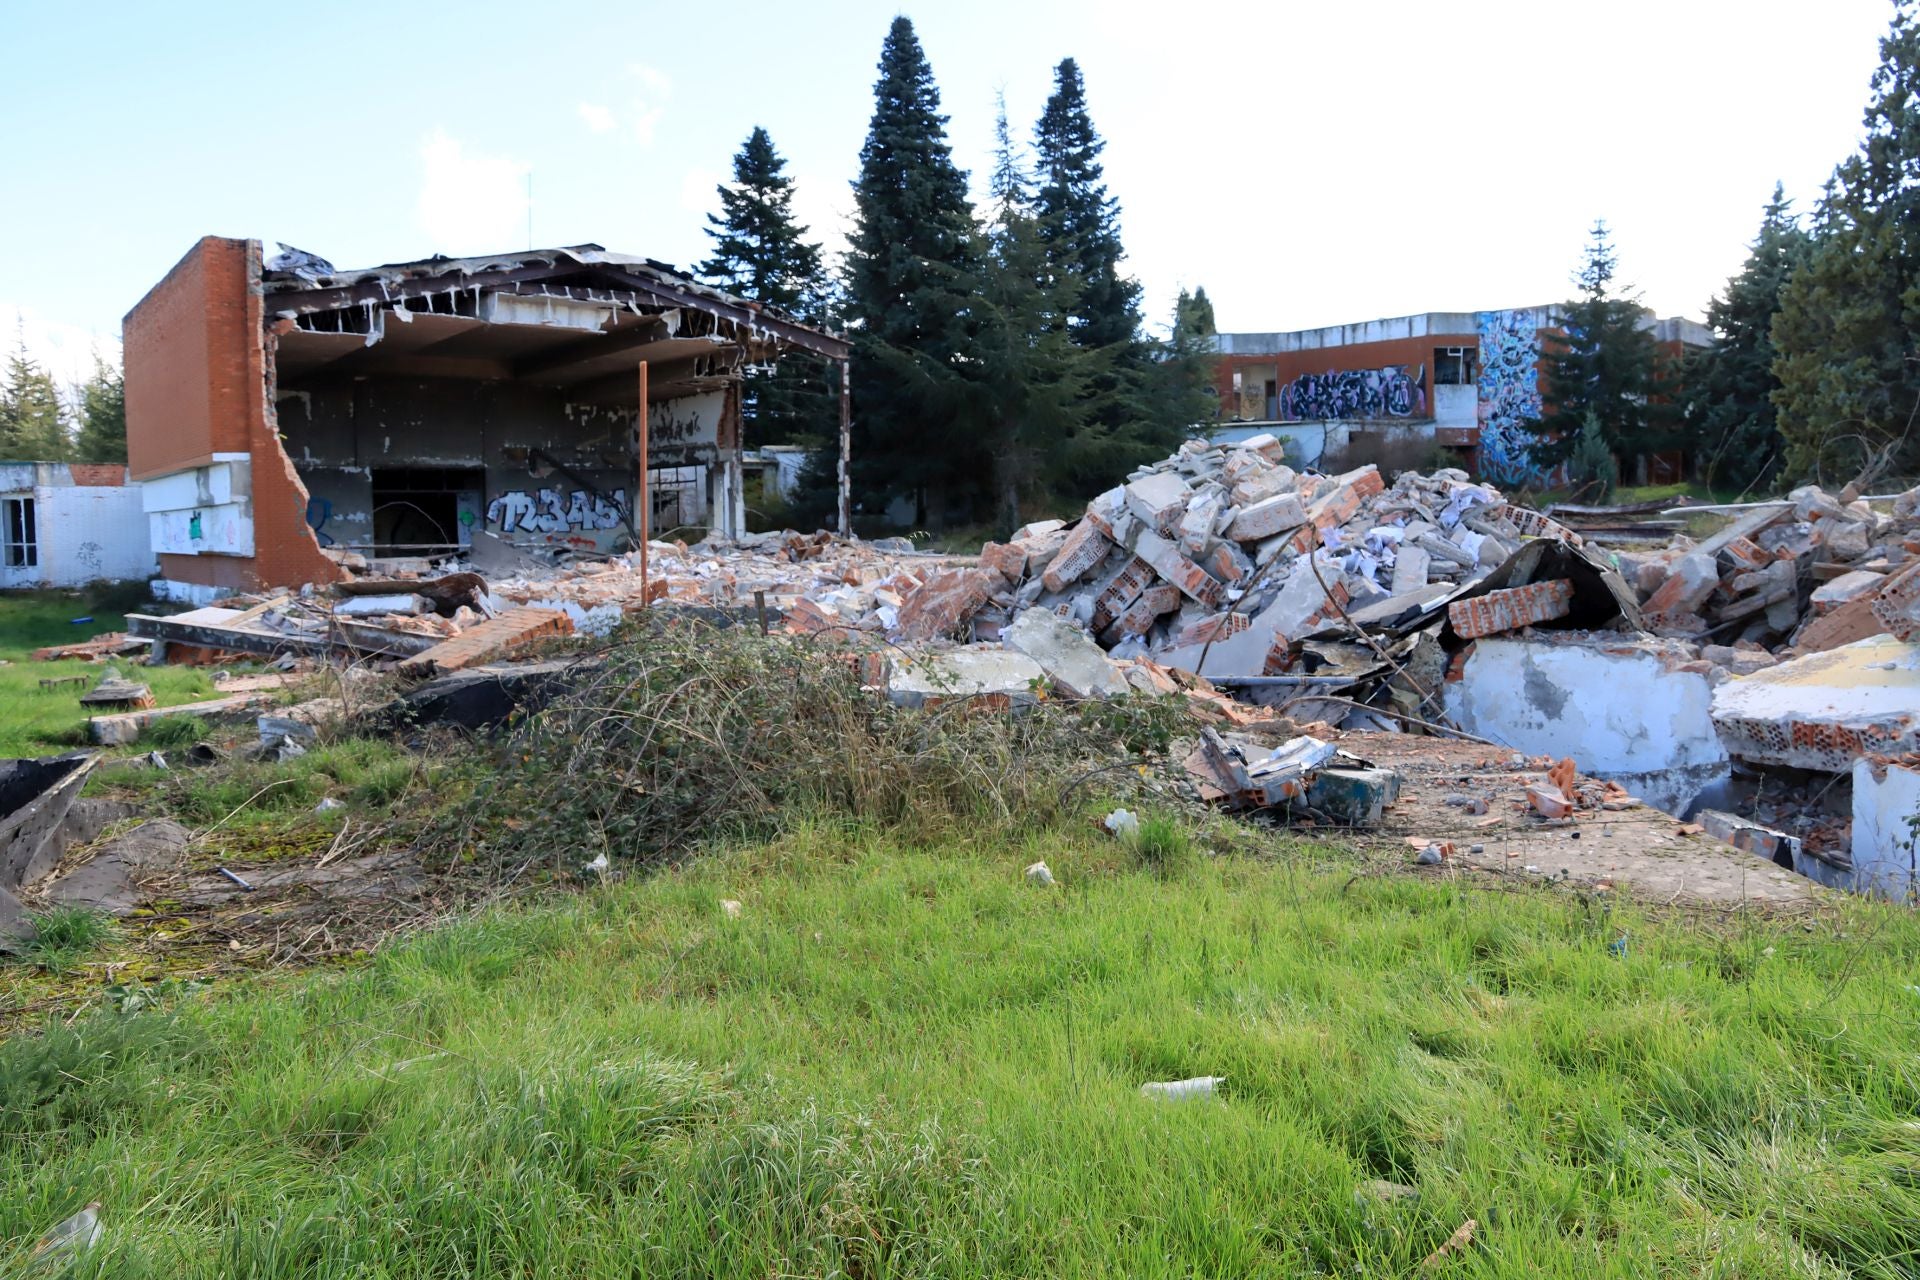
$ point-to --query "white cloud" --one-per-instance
(654, 80)
(470, 201)
(598, 118)
(645, 119)
(825, 209)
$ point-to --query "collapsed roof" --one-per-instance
(577, 318)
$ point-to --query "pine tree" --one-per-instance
(1193, 315)
(1027, 376)
(1730, 385)
(1604, 361)
(1079, 222)
(31, 421)
(760, 252)
(102, 435)
(1848, 332)
(911, 266)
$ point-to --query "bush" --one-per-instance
(690, 733)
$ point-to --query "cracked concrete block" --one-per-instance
(1690, 580)
(995, 677)
(1157, 500)
(1268, 517)
(1072, 661)
(1848, 586)
(1410, 569)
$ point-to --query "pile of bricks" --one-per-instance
(1806, 574)
(1201, 561)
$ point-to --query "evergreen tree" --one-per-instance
(911, 266)
(102, 398)
(760, 252)
(31, 425)
(1848, 333)
(1730, 385)
(1604, 362)
(1193, 315)
(1079, 222)
(1027, 375)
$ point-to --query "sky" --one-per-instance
(1308, 164)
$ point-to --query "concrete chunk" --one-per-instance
(1266, 518)
(1072, 661)
(1158, 500)
(1825, 710)
(1690, 580)
(993, 677)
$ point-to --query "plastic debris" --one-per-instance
(1039, 874)
(1182, 1090)
(71, 1235)
(1120, 822)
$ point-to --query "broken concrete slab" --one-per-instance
(485, 696)
(125, 727)
(35, 797)
(1832, 594)
(110, 880)
(17, 929)
(1068, 655)
(115, 692)
(1631, 710)
(993, 677)
(373, 605)
(1825, 710)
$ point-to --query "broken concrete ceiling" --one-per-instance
(577, 318)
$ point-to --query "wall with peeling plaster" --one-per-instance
(83, 532)
(340, 431)
(1621, 708)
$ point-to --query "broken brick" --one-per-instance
(1084, 548)
(1007, 559)
(510, 630)
(1264, 519)
(945, 603)
(1512, 608)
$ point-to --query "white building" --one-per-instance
(67, 524)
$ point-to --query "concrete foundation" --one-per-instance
(1625, 710)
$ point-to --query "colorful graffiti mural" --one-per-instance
(1509, 394)
(555, 511)
(1393, 391)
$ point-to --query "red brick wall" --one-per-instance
(98, 475)
(196, 377)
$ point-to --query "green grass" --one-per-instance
(903, 1062)
(36, 721)
(66, 936)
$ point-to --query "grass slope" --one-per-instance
(901, 1062)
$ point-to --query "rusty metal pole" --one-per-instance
(642, 499)
(846, 489)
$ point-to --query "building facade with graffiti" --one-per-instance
(286, 416)
(1470, 381)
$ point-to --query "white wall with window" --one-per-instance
(64, 526)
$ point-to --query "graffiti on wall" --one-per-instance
(1509, 394)
(1394, 391)
(556, 511)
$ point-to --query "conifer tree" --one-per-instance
(102, 434)
(1730, 385)
(760, 252)
(1028, 375)
(1079, 222)
(1193, 315)
(912, 263)
(1603, 362)
(1848, 334)
(32, 428)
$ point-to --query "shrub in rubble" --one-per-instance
(689, 733)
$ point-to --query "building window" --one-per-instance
(1455, 366)
(21, 541)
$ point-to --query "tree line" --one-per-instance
(38, 424)
(1814, 368)
(999, 352)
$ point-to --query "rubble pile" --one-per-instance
(1219, 558)
(1809, 573)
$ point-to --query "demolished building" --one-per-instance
(285, 417)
